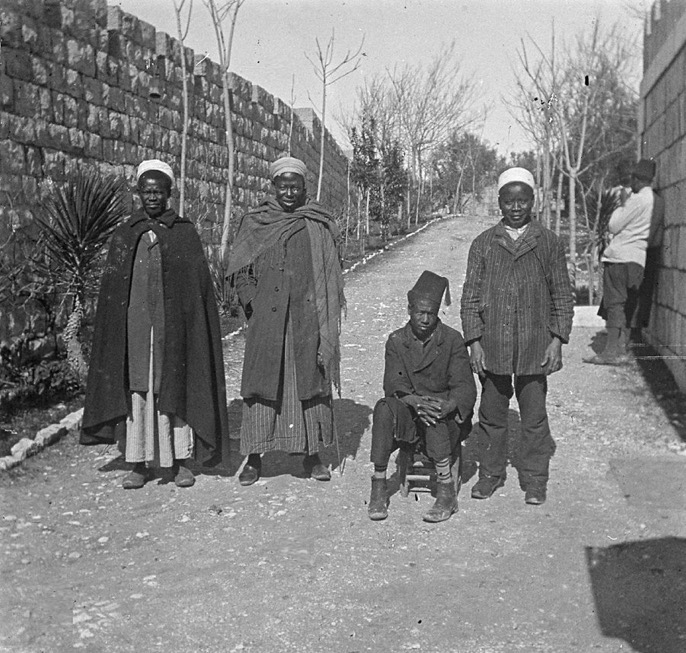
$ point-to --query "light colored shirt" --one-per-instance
(515, 233)
(629, 227)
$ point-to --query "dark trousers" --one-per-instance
(621, 282)
(394, 423)
(537, 445)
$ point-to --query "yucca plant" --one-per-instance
(76, 221)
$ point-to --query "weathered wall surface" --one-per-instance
(75, 90)
(662, 125)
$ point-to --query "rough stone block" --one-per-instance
(56, 75)
(92, 90)
(23, 129)
(29, 33)
(77, 139)
(10, 27)
(6, 92)
(58, 137)
(72, 422)
(51, 434)
(12, 159)
(54, 163)
(24, 448)
(70, 112)
(116, 99)
(17, 63)
(93, 146)
(9, 462)
(33, 169)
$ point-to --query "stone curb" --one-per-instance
(27, 447)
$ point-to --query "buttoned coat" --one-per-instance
(441, 371)
(516, 297)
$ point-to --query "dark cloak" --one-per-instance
(192, 378)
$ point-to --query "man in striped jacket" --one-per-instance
(517, 309)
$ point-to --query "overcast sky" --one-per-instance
(272, 37)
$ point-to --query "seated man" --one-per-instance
(429, 391)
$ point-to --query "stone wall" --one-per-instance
(78, 87)
(662, 126)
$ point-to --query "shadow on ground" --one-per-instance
(352, 420)
(639, 590)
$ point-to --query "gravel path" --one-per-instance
(291, 564)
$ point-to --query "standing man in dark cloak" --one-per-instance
(156, 375)
(285, 267)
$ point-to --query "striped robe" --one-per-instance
(516, 297)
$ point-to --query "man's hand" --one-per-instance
(477, 358)
(430, 409)
(552, 360)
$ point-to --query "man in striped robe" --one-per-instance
(517, 310)
(285, 267)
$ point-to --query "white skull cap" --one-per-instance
(155, 164)
(521, 175)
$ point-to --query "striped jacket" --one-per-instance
(516, 297)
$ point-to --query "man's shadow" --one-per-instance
(640, 594)
(351, 421)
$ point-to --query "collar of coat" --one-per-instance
(432, 350)
(168, 218)
(524, 244)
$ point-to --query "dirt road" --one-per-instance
(291, 564)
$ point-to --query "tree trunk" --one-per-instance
(322, 139)
(558, 205)
(228, 202)
(70, 335)
(572, 217)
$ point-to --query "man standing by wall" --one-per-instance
(624, 262)
(517, 309)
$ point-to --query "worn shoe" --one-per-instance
(251, 470)
(445, 505)
(486, 486)
(535, 495)
(184, 477)
(136, 479)
(378, 501)
(316, 469)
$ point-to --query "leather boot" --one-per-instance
(445, 505)
(378, 501)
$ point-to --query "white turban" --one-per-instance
(520, 175)
(155, 164)
(287, 164)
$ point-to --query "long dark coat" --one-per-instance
(516, 297)
(442, 371)
(277, 287)
(192, 377)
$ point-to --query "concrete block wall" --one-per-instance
(75, 90)
(662, 125)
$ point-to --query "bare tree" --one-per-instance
(224, 15)
(431, 102)
(183, 22)
(589, 105)
(329, 73)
